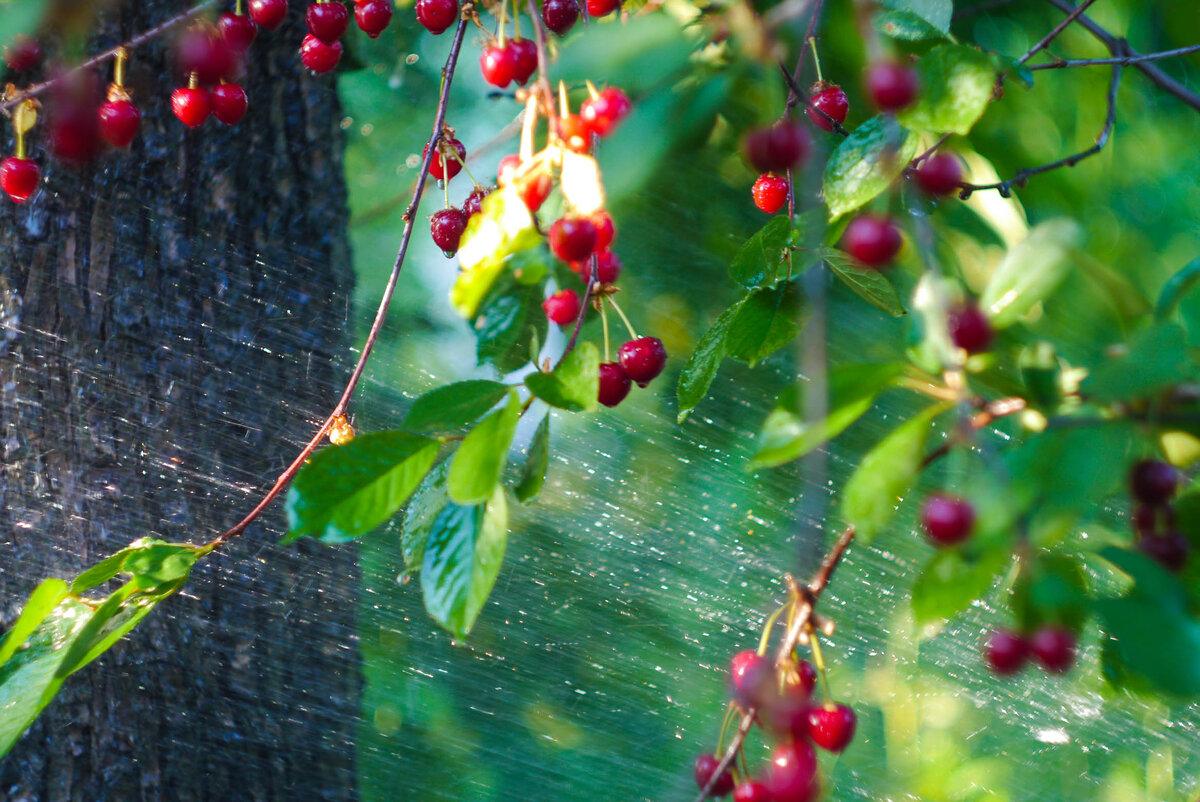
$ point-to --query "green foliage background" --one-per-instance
(597, 667)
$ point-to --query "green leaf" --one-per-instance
(104, 570)
(885, 475)
(1175, 289)
(952, 580)
(502, 228)
(453, 406)
(536, 463)
(574, 385)
(1030, 271)
(427, 502)
(866, 163)
(346, 491)
(1157, 358)
(41, 603)
(956, 87)
(1160, 644)
(935, 12)
(766, 321)
(480, 459)
(1119, 291)
(758, 261)
(113, 620)
(1149, 578)
(869, 284)
(462, 558)
(701, 368)
(853, 389)
(906, 26)
(511, 319)
(160, 563)
(21, 16)
(1068, 469)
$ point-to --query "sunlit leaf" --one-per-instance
(905, 25)
(41, 602)
(951, 580)
(767, 320)
(937, 13)
(453, 406)
(502, 228)
(868, 283)
(1030, 271)
(866, 163)
(759, 260)
(956, 86)
(574, 385)
(480, 459)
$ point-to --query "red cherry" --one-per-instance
(1169, 550)
(507, 168)
(831, 99)
(327, 20)
(437, 15)
(608, 268)
(474, 202)
(19, 178)
(574, 134)
(606, 229)
(601, 8)
(534, 190)
(614, 384)
(832, 726)
(267, 14)
(872, 240)
(205, 52)
(749, 672)
(1006, 651)
(752, 791)
(643, 359)
(560, 15)
(238, 30)
(1054, 648)
(498, 65)
(703, 770)
(373, 16)
(779, 148)
(74, 130)
(119, 121)
(891, 86)
(770, 192)
(318, 56)
(786, 714)
(444, 167)
(22, 53)
(572, 239)
(191, 105)
(447, 228)
(525, 58)
(970, 328)
(562, 307)
(947, 520)
(603, 113)
(1153, 482)
(807, 677)
(793, 775)
(229, 103)
(940, 174)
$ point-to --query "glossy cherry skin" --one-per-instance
(19, 178)
(268, 14)
(572, 239)
(606, 229)
(446, 227)
(1153, 482)
(560, 15)
(373, 16)
(872, 240)
(948, 520)
(525, 59)
(443, 167)
(608, 268)
(474, 202)
(562, 307)
(437, 15)
(643, 359)
(498, 64)
(752, 791)
(703, 770)
(940, 174)
(970, 329)
(831, 99)
(602, 8)
(891, 86)
(831, 727)
(1054, 648)
(749, 678)
(191, 105)
(1006, 651)
(779, 148)
(770, 192)
(229, 103)
(614, 384)
(603, 113)
(534, 190)
(238, 30)
(119, 122)
(327, 21)
(22, 53)
(793, 773)
(318, 56)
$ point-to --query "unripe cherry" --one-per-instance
(437, 15)
(940, 174)
(19, 178)
(119, 122)
(191, 105)
(229, 103)
(614, 384)
(572, 239)
(603, 113)
(318, 56)
(446, 227)
(373, 16)
(327, 20)
(770, 192)
(268, 14)
(562, 307)
(892, 86)
(872, 240)
(560, 15)
(831, 99)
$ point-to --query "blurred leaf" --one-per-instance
(476, 467)
(866, 163)
(1175, 289)
(760, 258)
(952, 580)
(906, 26)
(701, 368)
(41, 603)
(536, 462)
(581, 184)
(879, 484)
(635, 55)
(502, 228)
(1157, 358)
(160, 563)
(511, 320)
(1149, 578)
(766, 321)
(575, 383)
(462, 558)
(104, 570)
(956, 87)
(868, 283)
(345, 491)
(1126, 299)
(1030, 271)
(1066, 469)
(935, 12)
(853, 388)
(453, 406)
(20, 16)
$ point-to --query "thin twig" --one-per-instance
(1125, 61)
(289, 473)
(803, 96)
(793, 96)
(543, 81)
(1059, 28)
(111, 53)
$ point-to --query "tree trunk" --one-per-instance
(172, 327)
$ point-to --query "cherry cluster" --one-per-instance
(1152, 485)
(781, 698)
(327, 21)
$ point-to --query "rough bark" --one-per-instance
(172, 324)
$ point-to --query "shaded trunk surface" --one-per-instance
(172, 325)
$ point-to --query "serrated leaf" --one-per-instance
(937, 13)
(533, 476)
(345, 491)
(44, 598)
(1030, 271)
(508, 324)
(759, 260)
(462, 558)
(766, 321)
(574, 385)
(883, 479)
(866, 163)
(701, 368)
(867, 283)
(476, 467)
(453, 406)
(956, 86)
(906, 26)
(1157, 359)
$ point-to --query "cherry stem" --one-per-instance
(730, 710)
(812, 42)
(814, 643)
(119, 67)
(239, 8)
(503, 18)
(633, 335)
(543, 82)
(604, 324)
(765, 640)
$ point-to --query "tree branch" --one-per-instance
(1050, 37)
(1125, 61)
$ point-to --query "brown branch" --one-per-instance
(339, 409)
(111, 53)
(793, 95)
(1050, 37)
(1124, 61)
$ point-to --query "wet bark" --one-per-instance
(172, 326)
